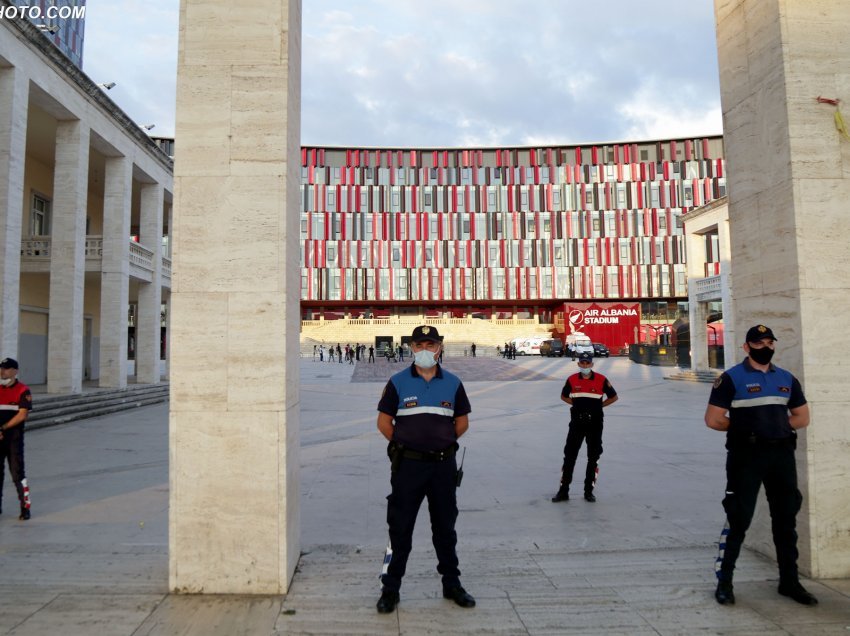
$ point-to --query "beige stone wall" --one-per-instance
(234, 523)
(789, 187)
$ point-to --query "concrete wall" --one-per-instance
(234, 463)
(789, 187)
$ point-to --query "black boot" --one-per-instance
(724, 593)
(562, 495)
(794, 590)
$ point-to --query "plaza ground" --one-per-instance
(94, 558)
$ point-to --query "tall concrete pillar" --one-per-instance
(67, 259)
(234, 510)
(148, 323)
(14, 97)
(115, 276)
(789, 184)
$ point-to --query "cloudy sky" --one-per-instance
(453, 72)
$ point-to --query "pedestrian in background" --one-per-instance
(760, 407)
(15, 405)
(587, 393)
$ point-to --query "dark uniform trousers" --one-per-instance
(748, 465)
(584, 427)
(413, 481)
(12, 450)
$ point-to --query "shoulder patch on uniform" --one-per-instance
(718, 381)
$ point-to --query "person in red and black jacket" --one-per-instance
(587, 393)
(15, 405)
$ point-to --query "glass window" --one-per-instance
(427, 198)
(396, 255)
(40, 216)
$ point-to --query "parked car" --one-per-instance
(600, 350)
(552, 347)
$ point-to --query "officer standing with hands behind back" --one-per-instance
(765, 406)
(587, 393)
(15, 405)
(422, 412)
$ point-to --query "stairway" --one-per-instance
(53, 410)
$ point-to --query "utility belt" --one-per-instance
(397, 452)
(754, 441)
(585, 416)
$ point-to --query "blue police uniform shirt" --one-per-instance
(424, 412)
(757, 401)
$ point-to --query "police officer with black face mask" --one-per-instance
(760, 406)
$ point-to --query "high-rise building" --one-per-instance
(62, 21)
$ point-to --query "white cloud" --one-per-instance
(443, 72)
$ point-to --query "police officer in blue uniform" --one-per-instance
(422, 412)
(587, 393)
(765, 407)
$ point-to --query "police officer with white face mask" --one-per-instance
(422, 412)
(587, 392)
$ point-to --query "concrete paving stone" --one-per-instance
(335, 615)
(763, 597)
(117, 614)
(639, 561)
(564, 614)
(196, 615)
(711, 616)
(441, 616)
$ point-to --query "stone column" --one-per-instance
(148, 323)
(697, 316)
(14, 96)
(789, 187)
(67, 259)
(115, 272)
(234, 510)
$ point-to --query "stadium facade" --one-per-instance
(501, 233)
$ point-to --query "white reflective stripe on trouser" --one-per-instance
(586, 395)
(388, 556)
(417, 410)
(9, 407)
(759, 401)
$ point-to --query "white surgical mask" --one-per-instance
(425, 359)
(585, 370)
(7, 381)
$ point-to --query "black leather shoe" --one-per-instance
(387, 602)
(460, 596)
(25, 514)
(561, 495)
(797, 592)
(589, 496)
(724, 593)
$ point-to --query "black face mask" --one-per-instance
(763, 355)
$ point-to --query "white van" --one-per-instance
(579, 343)
(528, 346)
